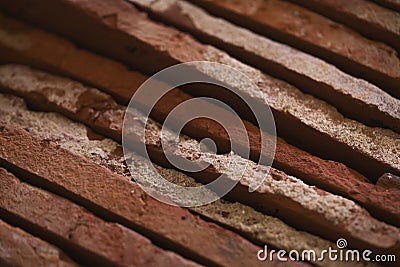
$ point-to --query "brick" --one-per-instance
(45, 51)
(252, 224)
(75, 137)
(127, 35)
(287, 197)
(19, 248)
(353, 97)
(65, 58)
(109, 194)
(368, 18)
(84, 235)
(317, 35)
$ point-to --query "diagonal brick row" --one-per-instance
(317, 35)
(355, 98)
(122, 83)
(287, 197)
(254, 225)
(55, 54)
(117, 29)
(87, 237)
(368, 18)
(72, 136)
(19, 248)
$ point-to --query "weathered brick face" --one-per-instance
(329, 71)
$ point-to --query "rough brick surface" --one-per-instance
(254, 225)
(57, 94)
(287, 197)
(109, 194)
(18, 248)
(355, 98)
(116, 28)
(85, 236)
(368, 18)
(75, 137)
(131, 37)
(87, 67)
(56, 54)
(310, 32)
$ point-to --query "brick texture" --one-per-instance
(110, 195)
(354, 98)
(85, 236)
(117, 29)
(286, 195)
(368, 18)
(121, 83)
(317, 35)
(19, 248)
(254, 225)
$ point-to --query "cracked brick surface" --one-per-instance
(71, 194)
(242, 218)
(354, 98)
(317, 35)
(122, 83)
(109, 194)
(120, 31)
(87, 237)
(287, 196)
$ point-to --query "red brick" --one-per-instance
(85, 66)
(117, 29)
(19, 248)
(47, 51)
(254, 225)
(110, 195)
(280, 191)
(317, 35)
(83, 235)
(55, 54)
(370, 19)
(354, 98)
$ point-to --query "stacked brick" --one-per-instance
(67, 197)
